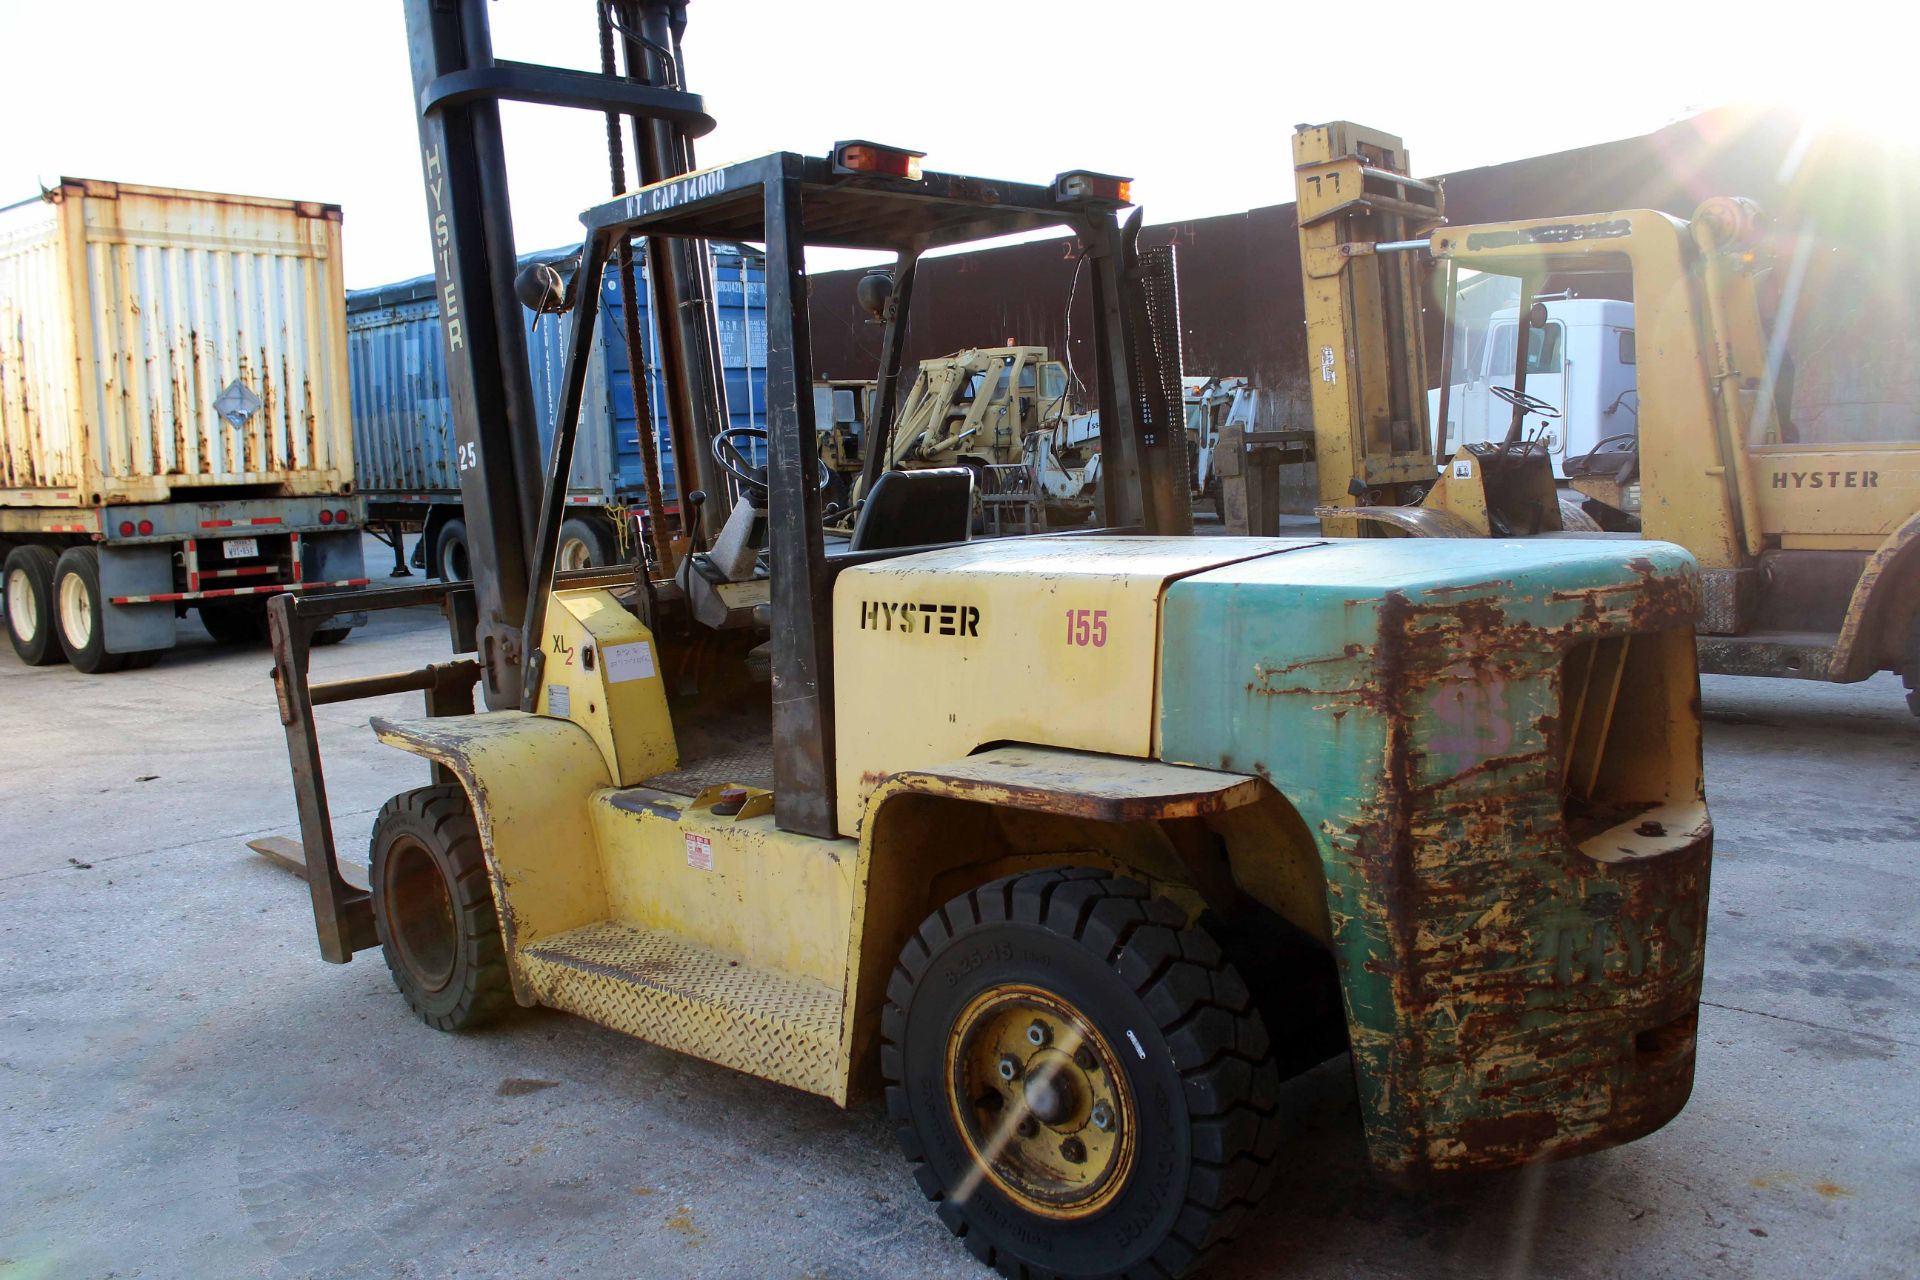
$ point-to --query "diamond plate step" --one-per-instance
(661, 988)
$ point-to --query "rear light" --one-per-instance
(126, 528)
(1082, 186)
(146, 527)
(326, 517)
(342, 517)
(858, 156)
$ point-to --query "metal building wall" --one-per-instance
(1855, 333)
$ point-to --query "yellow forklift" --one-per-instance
(1809, 551)
(1069, 847)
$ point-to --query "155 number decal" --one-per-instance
(1087, 628)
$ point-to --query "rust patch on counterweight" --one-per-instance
(1511, 998)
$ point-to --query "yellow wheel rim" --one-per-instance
(1038, 1096)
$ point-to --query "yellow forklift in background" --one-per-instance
(1809, 552)
(1069, 847)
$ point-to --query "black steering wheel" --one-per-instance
(738, 463)
(1525, 403)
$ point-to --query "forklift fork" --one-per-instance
(343, 913)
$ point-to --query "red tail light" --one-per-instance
(343, 516)
(146, 527)
(326, 517)
(860, 156)
(126, 528)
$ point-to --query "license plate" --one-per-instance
(241, 548)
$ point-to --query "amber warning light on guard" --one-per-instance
(1081, 186)
(858, 156)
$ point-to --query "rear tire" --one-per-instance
(332, 635)
(433, 909)
(1080, 1079)
(82, 612)
(450, 559)
(584, 544)
(30, 612)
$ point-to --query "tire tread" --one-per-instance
(1199, 1004)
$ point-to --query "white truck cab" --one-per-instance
(1581, 362)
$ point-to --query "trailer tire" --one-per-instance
(237, 625)
(433, 909)
(330, 635)
(81, 613)
(1143, 1122)
(584, 544)
(29, 597)
(450, 560)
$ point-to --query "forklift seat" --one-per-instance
(916, 509)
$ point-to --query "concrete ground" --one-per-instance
(187, 1090)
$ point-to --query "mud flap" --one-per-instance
(137, 571)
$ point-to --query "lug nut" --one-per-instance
(1102, 1117)
(1084, 1059)
(1027, 1127)
(1073, 1151)
(1009, 1068)
(1037, 1033)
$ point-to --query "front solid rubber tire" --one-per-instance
(30, 569)
(1191, 1045)
(77, 574)
(421, 833)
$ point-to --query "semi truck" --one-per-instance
(403, 419)
(173, 418)
(1580, 361)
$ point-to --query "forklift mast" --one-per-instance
(458, 85)
(1366, 345)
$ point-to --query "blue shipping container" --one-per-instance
(402, 420)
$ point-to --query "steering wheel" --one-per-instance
(1525, 403)
(738, 463)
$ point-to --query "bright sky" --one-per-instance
(315, 100)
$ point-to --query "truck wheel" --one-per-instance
(1080, 1079)
(450, 552)
(330, 635)
(237, 625)
(29, 592)
(433, 909)
(82, 612)
(584, 544)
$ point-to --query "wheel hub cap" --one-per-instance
(76, 611)
(1026, 1074)
(20, 607)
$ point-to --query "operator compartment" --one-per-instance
(1499, 741)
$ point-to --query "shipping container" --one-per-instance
(403, 419)
(173, 416)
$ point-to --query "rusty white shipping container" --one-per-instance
(156, 340)
(174, 426)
